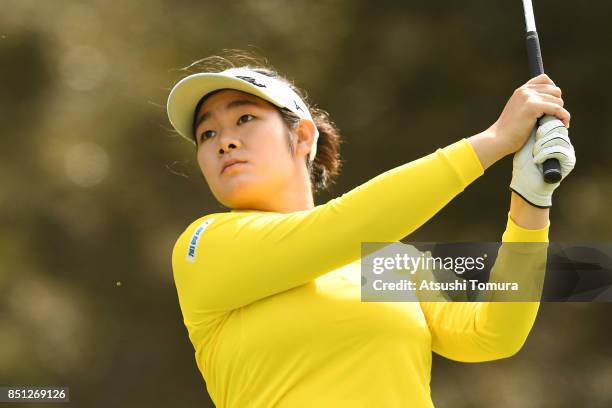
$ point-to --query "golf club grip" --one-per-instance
(551, 168)
(534, 56)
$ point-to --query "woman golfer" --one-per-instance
(270, 291)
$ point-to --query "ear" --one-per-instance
(304, 137)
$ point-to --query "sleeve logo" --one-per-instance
(193, 242)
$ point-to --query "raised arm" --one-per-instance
(243, 256)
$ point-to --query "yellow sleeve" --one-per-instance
(228, 260)
(483, 331)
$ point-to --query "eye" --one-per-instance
(245, 118)
(206, 134)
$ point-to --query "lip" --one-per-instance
(230, 163)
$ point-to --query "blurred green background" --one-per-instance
(95, 187)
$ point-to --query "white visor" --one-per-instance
(186, 94)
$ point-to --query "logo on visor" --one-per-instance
(251, 81)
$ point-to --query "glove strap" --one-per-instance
(530, 203)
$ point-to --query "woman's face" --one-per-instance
(233, 125)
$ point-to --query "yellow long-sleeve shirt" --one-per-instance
(271, 301)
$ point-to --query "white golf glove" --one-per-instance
(551, 140)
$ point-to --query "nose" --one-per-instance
(228, 142)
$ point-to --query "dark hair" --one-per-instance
(327, 163)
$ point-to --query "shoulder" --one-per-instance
(215, 236)
(218, 224)
(215, 220)
(201, 223)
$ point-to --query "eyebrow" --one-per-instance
(230, 105)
